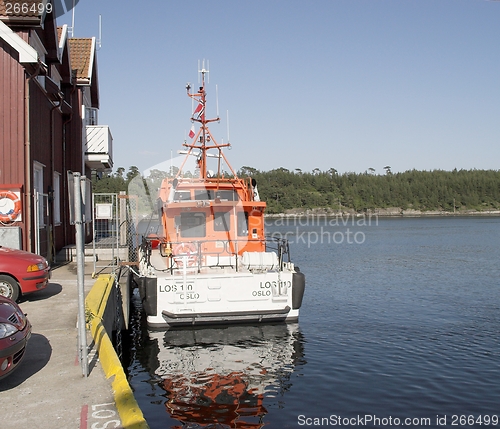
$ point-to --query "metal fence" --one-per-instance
(129, 219)
(105, 245)
(115, 231)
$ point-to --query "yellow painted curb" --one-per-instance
(128, 409)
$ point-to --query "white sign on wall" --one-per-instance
(104, 211)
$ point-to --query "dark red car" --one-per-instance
(15, 331)
(22, 272)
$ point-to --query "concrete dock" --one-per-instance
(48, 390)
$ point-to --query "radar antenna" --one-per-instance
(202, 71)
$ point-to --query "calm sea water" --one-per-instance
(400, 325)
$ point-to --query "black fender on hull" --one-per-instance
(149, 293)
(298, 288)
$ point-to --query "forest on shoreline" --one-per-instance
(285, 190)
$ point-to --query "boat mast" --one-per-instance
(203, 139)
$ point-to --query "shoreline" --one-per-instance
(392, 212)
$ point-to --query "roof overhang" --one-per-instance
(27, 54)
(62, 41)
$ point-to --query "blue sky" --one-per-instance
(344, 84)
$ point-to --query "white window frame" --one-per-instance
(38, 187)
(91, 116)
(57, 198)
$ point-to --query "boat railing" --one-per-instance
(281, 246)
(200, 254)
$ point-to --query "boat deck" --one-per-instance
(223, 266)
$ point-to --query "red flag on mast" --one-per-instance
(198, 108)
(191, 132)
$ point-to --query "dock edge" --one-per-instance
(130, 414)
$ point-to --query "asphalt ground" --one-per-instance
(48, 389)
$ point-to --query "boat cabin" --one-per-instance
(210, 222)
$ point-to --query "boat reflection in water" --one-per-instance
(223, 375)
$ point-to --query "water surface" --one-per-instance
(400, 320)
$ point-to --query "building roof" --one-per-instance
(20, 11)
(83, 61)
(82, 53)
(63, 53)
(31, 7)
(30, 17)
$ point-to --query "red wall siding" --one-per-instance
(40, 124)
(58, 167)
(12, 124)
(12, 132)
(55, 144)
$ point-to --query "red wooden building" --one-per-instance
(49, 100)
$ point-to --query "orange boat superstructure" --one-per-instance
(212, 261)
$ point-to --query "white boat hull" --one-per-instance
(220, 295)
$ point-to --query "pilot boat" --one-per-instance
(211, 260)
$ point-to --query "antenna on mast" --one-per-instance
(227, 120)
(72, 28)
(99, 40)
(202, 71)
(217, 100)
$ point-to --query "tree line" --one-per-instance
(285, 190)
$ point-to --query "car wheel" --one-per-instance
(9, 287)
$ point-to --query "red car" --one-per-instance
(15, 331)
(22, 272)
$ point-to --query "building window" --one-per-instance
(91, 115)
(57, 198)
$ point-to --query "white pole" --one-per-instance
(37, 222)
(217, 99)
(80, 272)
(73, 20)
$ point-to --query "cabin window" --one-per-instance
(227, 195)
(242, 218)
(203, 194)
(182, 196)
(222, 221)
(193, 225)
(223, 195)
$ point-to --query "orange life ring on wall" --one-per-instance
(12, 214)
(188, 250)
